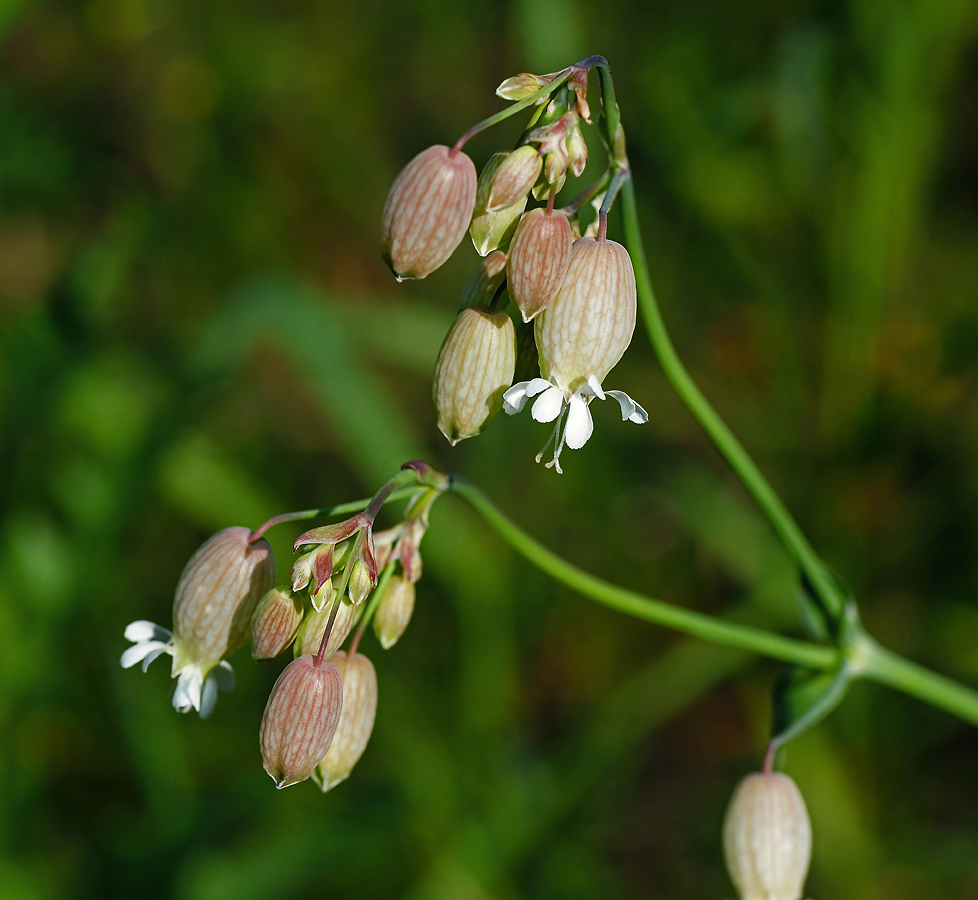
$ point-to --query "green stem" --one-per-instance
(741, 637)
(517, 107)
(885, 667)
(743, 466)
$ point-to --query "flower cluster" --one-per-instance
(573, 295)
(321, 710)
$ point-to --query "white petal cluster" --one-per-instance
(196, 688)
(551, 403)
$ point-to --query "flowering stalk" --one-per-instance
(863, 657)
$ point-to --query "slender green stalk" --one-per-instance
(885, 667)
(342, 509)
(716, 429)
(741, 637)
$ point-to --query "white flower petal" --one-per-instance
(186, 695)
(141, 630)
(208, 697)
(138, 652)
(594, 387)
(223, 675)
(630, 410)
(156, 651)
(579, 424)
(515, 397)
(548, 405)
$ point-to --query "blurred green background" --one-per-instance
(197, 331)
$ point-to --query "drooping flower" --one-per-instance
(551, 404)
(580, 336)
(212, 610)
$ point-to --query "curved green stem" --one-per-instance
(743, 466)
(742, 637)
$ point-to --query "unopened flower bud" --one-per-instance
(427, 212)
(538, 260)
(767, 838)
(300, 720)
(474, 368)
(585, 330)
(275, 623)
(356, 720)
(484, 281)
(313, 627)
(217, 595)
(521, 86)
(490, 230)
(394, 611)
(361, 582)
(554, 162)
(576, 151)
(514, 178)
(322, 597)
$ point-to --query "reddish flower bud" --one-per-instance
(300, 720)
(474, 368)
(538, 260)
(515, 176)
(394, 611)
(275, 623)
(216, 597)
(427, 212)
(490, 230)
(356, 720)
(767, 838)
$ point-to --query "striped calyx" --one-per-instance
(515, 176)
(394, 611)
(313, 627)
(767, 838)
(427, 212)
(474, 368)
(275, 623)
(300, 720)
(356, 721)
(217, 595)
(538, 260)
(587, 327)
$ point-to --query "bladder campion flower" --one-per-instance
(427, 211)
(580, 336)
(356, 720)
(300, 719)
(212, 610)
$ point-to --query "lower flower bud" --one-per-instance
(538, 260)
(300, 720)
(394, 611)
(767, 838)
(475, 366)
(356, 721)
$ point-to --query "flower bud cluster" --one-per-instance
(579, 293)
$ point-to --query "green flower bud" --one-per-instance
(275, 623)
(767, 838)
(474, 368)
(313, 627)
(521, 86)
(394, 611)
(356, 720)
(427, 212)
(490, 230)
(538, 260)
(300, 720)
